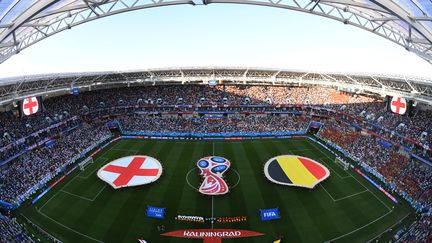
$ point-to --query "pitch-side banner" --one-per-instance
(30, 106)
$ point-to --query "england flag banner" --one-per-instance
(398, 105)
(30, 106)
(131, 171)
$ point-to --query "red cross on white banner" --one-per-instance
(30, 106)
(131, 171)
(398, 105)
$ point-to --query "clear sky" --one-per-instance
(215, 35)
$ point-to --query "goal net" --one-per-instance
(85, 162)
(345, 165)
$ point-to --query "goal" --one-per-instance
(345, 165)
(85, 162)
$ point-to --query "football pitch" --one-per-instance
(343, 208)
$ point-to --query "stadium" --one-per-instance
(215, 153)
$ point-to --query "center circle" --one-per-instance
(196, 188)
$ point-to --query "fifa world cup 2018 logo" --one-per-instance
(212, 170)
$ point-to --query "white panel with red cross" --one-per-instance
(398, 105)
(30, 106)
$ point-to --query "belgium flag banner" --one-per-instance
(292, 170)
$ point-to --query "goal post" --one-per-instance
(345, 165)
(85, 162)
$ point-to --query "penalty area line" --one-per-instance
(352, 195)
(342, 198)
(328, 193)
(75, 195)
(85, 198)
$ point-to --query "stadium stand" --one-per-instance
(72, 127)
(11, 231)
(202, 125)
(42, 163)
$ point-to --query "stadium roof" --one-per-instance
(404, 22)
(14, 89)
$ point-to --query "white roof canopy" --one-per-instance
(404, 22)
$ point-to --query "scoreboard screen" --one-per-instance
(30, 106)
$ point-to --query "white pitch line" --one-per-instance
(359, 183)
(97, 195)
(85, 198)
(124, 150)
(68, 183)
(73, 194)
(389, 228)
(88, 237)
(39, 228)
(352, 195)
(212, 213)
(373, 194)
(359, 228)
(327, 193)
(61, 190)
(212, 197)
(56, 193)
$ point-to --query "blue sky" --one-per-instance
(215, 35)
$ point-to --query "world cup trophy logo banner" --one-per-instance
(212, 170)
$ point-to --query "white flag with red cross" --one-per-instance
(398, 105)
(131, 171)
(30, 106)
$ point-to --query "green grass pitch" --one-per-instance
(343, 208)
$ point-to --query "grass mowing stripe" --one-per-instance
(358, 214)
(248, 170)
(139, 224)
(93, 211)
(135, 198)
(191, 198)
(298, 201)
(175, 184)
(256, 156)
(237, 199)
(221, 204)
(107, 202)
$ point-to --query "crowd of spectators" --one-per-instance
(11, 231)
(408, 174)
(29, 169)
(139, 123)
(419, 231)
(373, 109)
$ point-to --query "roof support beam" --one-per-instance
(7, 44)
(385, 19)
(401, 13)
(5, 26)
(422, 18)
(33, 10)
(91, 7)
